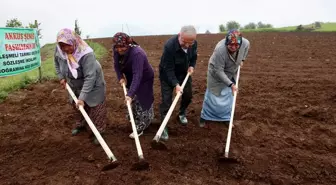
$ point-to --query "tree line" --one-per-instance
(312, 27)
(15, 23)
(235, 25)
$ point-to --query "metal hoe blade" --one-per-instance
(111, 165)
(227, 160)
(158, 145)
(141, 165)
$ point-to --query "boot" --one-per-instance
(95, 140)
(132, 135)
(77, 130)
(164, 135)
(183, 119)
(202, 123)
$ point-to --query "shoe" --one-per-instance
(95, 140)
(164, 135)
(202, 123)
(183, 120)
(77, 130)
(132, 135)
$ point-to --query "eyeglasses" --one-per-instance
(187, 41)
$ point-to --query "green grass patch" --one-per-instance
(100, 51)
(12, 83)
(325, 27)
(286, 29)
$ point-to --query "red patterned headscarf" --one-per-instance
(121, 39)
(233, 37)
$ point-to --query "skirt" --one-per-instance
(217, 108)
(142, 117)
(97, 114)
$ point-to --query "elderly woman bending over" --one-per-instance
(76, 65)
(132, 67)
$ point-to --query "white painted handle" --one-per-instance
(228, 140)
(170, 111)
(92, 126)
(135, 132)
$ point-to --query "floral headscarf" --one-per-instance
(70, 37)
(121, 39)
(233, 36)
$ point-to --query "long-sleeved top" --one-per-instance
(223, 67)
(139, 75)
(175, 61)
(90, 85)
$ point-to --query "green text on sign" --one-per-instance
(19, 51)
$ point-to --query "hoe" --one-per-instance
(226, 158)
(156, 143)
(113, 163)
(142, 164)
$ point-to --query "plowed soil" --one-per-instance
(285, 124)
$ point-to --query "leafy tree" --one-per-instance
(36, 25)
(14, 23)
(262, 25)
(317, 24)
(299, 28)
(77, 30)
(232, 25)
(221, 28)
(250, 25)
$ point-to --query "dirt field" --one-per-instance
(285, 124)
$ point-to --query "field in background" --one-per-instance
(12, 83)
(325, 27)
(285, 123)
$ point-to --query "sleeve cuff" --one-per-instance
(175, 83)
(119, 77)
(60, 76)
(83, 96)
(130, 94)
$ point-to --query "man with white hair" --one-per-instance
(178, 58)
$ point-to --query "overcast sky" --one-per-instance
(103, 18)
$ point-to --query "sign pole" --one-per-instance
(38, 39)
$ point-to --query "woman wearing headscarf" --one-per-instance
(228, 54)
(76, 65)
(133, 69)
